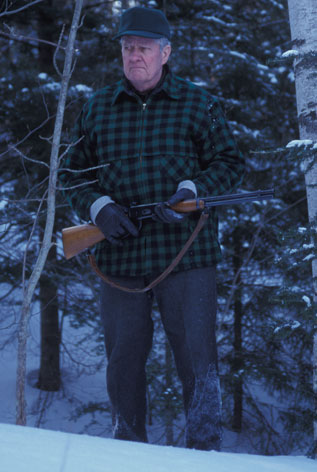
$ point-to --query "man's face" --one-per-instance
(143, 61)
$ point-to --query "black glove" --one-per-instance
(165, 214)
(115, 224)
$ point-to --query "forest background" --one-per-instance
(238, 51)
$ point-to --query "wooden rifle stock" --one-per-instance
(78, 238)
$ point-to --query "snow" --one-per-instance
(219, 21)
(104, 29)
(81, 88)
(238, 54)
(290, 53)
(299, 143)
(43, 76)
(308, 246)
(53, 87)
(291, 325)
(200, 83)
(309, 257)
(306, 300)
(277, 4)
(24, 449)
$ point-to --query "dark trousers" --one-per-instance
(187, 304)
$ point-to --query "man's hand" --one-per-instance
(114, 223)
(165, 214)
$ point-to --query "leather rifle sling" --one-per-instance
(167, 271)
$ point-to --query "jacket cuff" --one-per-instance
(98, 205)
(189, 184)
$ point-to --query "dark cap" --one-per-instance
(146, 22)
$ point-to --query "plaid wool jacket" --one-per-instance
(139, 152)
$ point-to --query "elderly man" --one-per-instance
(153, 137)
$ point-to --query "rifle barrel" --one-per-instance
(238, 198)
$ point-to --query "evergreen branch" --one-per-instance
(263, 223)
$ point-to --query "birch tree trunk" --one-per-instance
(303, 21)
(30, 286)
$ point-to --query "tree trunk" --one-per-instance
(30, 285)
(303, 21)
(237, 343)
(46, 28)
(169, 429)
(49, 373)
(237, 365)
(125, 4)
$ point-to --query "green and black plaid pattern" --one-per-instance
(138, 153)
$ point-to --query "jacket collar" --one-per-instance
(169, 87)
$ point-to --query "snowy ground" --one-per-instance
(70, 411)
(24, 449)
(82, 382)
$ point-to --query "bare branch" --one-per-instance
(22, 200)
(77, 186)
(37, 186)
(27, 39)
(12, 12)
(57, 50)
(68, 146)
(80, 363)
(27, 135)
(35, 161)
(83, 170)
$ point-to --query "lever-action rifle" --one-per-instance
(78, 238)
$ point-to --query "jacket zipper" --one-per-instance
(141, 137)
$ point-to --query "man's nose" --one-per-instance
(134, 55)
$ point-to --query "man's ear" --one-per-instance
(166, 53)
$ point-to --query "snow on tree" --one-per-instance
(303, 21)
